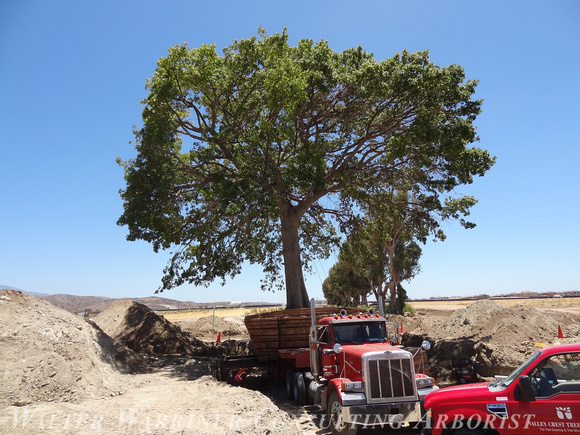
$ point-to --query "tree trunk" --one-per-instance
(364, 300)
(296, 294)
(382, 288)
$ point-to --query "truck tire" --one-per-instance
(299, 388)
(307, 380)
(219, 370)
(290, 384)
(334, 410)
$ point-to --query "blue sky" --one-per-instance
(72, 75)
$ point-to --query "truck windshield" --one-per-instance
(517, 372)
(360, 332)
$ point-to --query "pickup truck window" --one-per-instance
(557, 374)
(360, 332)
(516, 373)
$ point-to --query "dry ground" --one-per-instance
(569, 305)
(62, 376)
(196, 314)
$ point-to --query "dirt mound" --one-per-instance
(471, 320)
(499, 338)
(140, 329)
(490, 322)
(51, 355)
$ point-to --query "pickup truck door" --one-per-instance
(556, 381)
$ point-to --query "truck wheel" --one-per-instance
(334, 410)
(307, 380)
(299, 388)
(219, 370)
(290, 384)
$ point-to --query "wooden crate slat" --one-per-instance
(276, 330)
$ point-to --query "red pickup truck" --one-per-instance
(542, 396)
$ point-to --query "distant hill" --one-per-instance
(78, 304)
(9, 287)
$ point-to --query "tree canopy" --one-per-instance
(260, 154)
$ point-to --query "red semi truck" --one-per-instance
(542, 396)
(351, 364)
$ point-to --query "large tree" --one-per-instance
(248, 155)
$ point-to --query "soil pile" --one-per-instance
(140, 329)
(499, 338)
(490, 322)
(51, 355)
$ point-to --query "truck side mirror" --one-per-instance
(525, 391)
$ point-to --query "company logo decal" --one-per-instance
(564, 412)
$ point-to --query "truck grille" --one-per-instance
(390, 377)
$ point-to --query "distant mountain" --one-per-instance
(79, 304)
(9, 287)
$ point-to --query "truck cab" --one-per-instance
(350, 365)
(362, 376)
(541, 396)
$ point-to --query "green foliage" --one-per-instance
(237, 152)
(409, 309)
(401, 299)
(345, 286)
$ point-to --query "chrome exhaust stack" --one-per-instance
(313, 342)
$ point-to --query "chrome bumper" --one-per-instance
(383, 414)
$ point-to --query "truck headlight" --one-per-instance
(357, 386)
(425, 382)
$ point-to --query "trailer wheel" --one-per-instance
(299, 388)
(337, 425)
(290, 384)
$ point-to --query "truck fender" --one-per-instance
(333, 385)
(462, 417)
